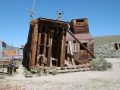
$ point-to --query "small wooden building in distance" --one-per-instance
(79, 27)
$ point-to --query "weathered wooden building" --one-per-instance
(46, 43)
(49, 43)
(80, 29)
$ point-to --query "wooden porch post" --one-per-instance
(39, 41)
(45, 40)
(71, 52)
(50, 48)
(38, 45)
(63, 48)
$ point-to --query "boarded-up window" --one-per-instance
(81, 47)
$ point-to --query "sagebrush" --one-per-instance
(54, 72)
(100, 64)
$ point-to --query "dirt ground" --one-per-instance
(89, 80)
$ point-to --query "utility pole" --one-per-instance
(31, 12)
(59, 14)
(12, 46)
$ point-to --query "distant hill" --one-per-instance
(101, 40)
(105, 46)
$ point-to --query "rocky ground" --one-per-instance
(89, 80)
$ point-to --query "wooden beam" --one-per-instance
(34, 22)
(71, 52)
(34, 46)
(50, 48)
(63, 48)
(80, 43)
(39, 41)
(45, 40)
(68, 51)
(53, 21)
(28, 46)
(67, 63)
(68, 70)
(51, 39)
(38, 45)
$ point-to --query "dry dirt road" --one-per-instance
(89, 80)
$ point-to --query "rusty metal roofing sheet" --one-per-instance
(82, 36)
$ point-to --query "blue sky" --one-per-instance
(103, 16)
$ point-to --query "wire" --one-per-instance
(65, 17)
(27, 22)
(13, 28)
(21, 25)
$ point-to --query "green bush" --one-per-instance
(38, 73)
(55, 72)
(18, 62)
(109, 64)
(99, 64)
(26, 72)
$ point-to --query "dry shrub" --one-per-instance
(100, 64)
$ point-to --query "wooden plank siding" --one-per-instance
(79, 26)
(46, 44)
(82, 54)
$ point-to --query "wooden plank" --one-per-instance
(34, 22)
(38, 45)
(28, 47)
(63, 46)
(46, 68)
(65, 67)
(58, 57)
(83, 54)
(67, 63)
(65, 71)
(45, 40)
(71, 52)
(64, 49)
(77, 47)
(50, 49)
(51, 39)
(83, 61)
(76, 66)
(91, 48)
(34, 46)
(68, 51)
(29, 42)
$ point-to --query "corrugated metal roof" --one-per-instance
(83, 36)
